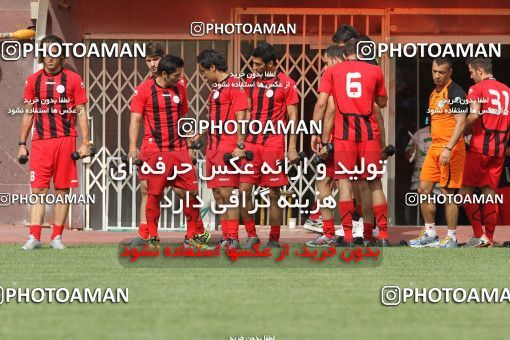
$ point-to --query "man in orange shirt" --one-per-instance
(444, 163)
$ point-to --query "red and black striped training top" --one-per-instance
(269, 100)
(54, 99)
(490, 131)
(162, 108)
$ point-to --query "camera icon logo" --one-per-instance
(197, 29)
(411, 199)
(11, 50)
(366, 50)
(5, 199)
(391, 295)
(187, 127)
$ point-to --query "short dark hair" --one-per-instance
(210, 57)
(480, 63)
(345, 33)
(169, 64)
(334, 51)
(51, 39)
(442, 61)
(266, 52)
(350, 47)
(154, 49)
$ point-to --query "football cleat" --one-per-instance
(251, 242)
(383, 243)
(56, 243)
(479, 242)
(424, 240)
(154, 241)
(273, 244)
(448, 242)
(313, 225)
(322, 241)
(138, 242)
(195, 243)
(203, 238)
(32, 243)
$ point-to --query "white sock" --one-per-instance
(452, 234)
(430, 229)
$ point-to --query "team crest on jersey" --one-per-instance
(135, 93)
(176, 99)
(470, 91)
(181, 81)
(216, 94)
(26, 83)
(441, 104)
(82, 85)
(269, 93)
(61, 89)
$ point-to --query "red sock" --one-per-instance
(35, 231)
(200, 227)
(368, 230)
(143, 231)
(152, 211)
(192, 215)
(346, 209)
(57, 231)
(232, 230)
(225, 229)
(249, 225)
(490, 219)
(328, 228)
(475, 218)
(381, 213)
(316, 215)
(274, 234)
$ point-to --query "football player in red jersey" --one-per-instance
(161, 102)
(272, 97)
(54, 96)
(332, 55)
(355, 86)
(227, 103)
(489, 123)
(154, 53)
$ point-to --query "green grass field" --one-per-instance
(288, 303)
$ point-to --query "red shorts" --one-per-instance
(215, 158)
(269, 155)
(51, 158)
(481, 170)
(350, 153)
(173, 160)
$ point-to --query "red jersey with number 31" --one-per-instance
(490, 131)
(354, 85)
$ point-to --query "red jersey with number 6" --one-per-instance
(354, 85)
(490, 131)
